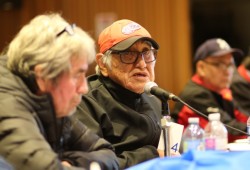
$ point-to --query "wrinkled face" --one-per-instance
(132, 76)
(69, 87)
(217, 71)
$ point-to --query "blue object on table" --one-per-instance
(4, 165)
(199, 160)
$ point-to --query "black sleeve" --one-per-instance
(88, 111)
(87, 147)
(130, 158)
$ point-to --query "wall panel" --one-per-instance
(166, 20)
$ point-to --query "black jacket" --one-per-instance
(129, 121)
(207, 101)
(31, 137)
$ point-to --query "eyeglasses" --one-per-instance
(220, 65)
(130, 57)
(68, 29)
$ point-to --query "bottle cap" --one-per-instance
(193, 120)
(214, 116)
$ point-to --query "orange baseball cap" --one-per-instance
(122, 34)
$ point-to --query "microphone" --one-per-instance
(152, 88)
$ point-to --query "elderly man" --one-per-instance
(208, 90)
(116, 106)
(41, 83)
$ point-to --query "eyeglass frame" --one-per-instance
(121, 55)
(221, 65)
(68, 29)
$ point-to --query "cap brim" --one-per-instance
(125, 44)
(236, 52)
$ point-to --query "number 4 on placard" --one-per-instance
(175, 147)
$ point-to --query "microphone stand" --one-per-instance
(165, 126)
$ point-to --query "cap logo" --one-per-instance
(130, 28)
(222, 44)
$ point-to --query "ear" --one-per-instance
(41, 83)
(200, 68)
(102, 66)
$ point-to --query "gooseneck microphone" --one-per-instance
(153, 89)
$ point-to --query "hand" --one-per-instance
(65, 163)
(161, 153)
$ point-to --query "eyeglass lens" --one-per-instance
(220, 65)
(130, 57)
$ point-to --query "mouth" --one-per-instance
(140, 75)
(77, 101)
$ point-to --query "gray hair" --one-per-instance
(106, 60)
(38, 43)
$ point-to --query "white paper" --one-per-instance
(175, 135)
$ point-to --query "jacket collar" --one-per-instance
(121, 94)
(225, 93)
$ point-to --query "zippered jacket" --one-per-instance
(129, 121)
(32, 138)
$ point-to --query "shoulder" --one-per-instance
(192, 90)
(98, 93)
(93, 81)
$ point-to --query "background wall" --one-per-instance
(166, 20)
(228, 19)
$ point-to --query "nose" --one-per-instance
(229, 68)
(83, 87)
(141, 62)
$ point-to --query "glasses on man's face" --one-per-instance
(130, 57)
(68, 29)
(221, 65)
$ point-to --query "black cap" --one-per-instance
(214, 48)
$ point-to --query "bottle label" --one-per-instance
(193, 145)
(216, 143)
(210, 144)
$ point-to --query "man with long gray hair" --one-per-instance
(42, 80)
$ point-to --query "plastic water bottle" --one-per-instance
(215, 133)
(248, 129)
(193, 136)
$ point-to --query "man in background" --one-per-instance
(208, 90)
